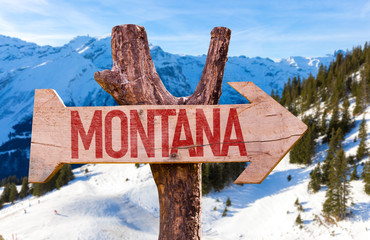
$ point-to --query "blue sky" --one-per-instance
(275, 29)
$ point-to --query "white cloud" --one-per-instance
(184, 27)
(21, 6)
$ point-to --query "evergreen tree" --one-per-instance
(3, 182)
(286, 98)
(6, 193)
(333, 124)
(362, 148)
(36, 189)
(25, 189)
(216, 177)
(300, 208)
(323, 128)
(366, 177)
(1, 206)
(69, 172)
(236, 169)
(13, 193)
(298, 220)
(227, 173)
(206, 184)
(277, 96)
(296, 203)
(61, 178)
(315, 182)
(228, 202)
(334, 145)
(224, 212)
(354, 175)
(337, 195)
(345, 123)
(361, 97)
(303, 151)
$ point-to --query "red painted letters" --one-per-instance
(78, 129)
(132, 127)
(182, 121)
(213, 139)
(108, 134)
(233, 120)
(147, 139)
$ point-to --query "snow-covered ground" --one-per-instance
(121, 202)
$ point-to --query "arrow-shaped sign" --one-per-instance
(261, 133)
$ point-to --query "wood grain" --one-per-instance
(268, 129)
(268, 132)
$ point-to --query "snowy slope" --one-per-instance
(121, 202)
(70, 69)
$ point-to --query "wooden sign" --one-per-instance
(261, 133)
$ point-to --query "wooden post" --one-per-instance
(133, 80)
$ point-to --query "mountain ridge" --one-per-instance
(69, 70)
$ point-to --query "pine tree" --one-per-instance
(3, 182)
(300, 208)
(228, 202)
(227, 173)
(334, 145)
(362, 148)
(1, 206)
(333, 124)
(36, 189)
(69, 172)
(277, 96)
(13, 193)
(361, 95)
(61, 178)
(216, 177)
(296, 203)
(25, 189)
(315, 182)
(224, 212)
(60, 181)
(337, 194)
(303, 151)
(298, 220)
(354, 175)
(206, 184)
(6, 193)
(345, 122)
(366, 177)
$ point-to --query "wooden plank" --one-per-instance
(261, 133)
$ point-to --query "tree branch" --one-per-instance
(133, 80)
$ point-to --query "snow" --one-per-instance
(121, 202)
(83, 50)
(70, 70)
(356, 76)
(41, 64)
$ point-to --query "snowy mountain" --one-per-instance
(70, 69)
(121, 202)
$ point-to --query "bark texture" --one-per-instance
(133, 80)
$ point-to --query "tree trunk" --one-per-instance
(133, 80)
